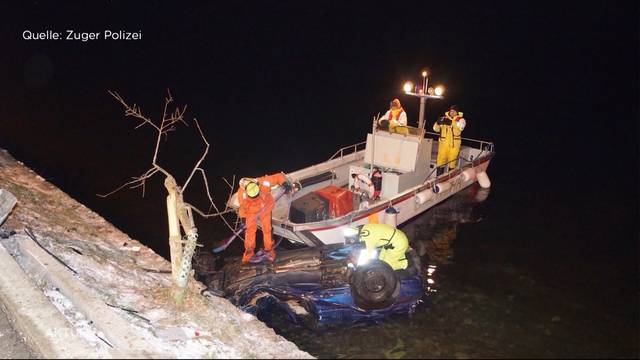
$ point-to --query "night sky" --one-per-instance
(282, 85)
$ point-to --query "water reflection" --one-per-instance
(432, 234)
(423, 334)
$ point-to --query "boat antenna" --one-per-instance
(373, 144)
(423, 100)
(424, 93)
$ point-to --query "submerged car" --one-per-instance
(321, 286)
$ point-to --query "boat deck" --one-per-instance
(339, 166)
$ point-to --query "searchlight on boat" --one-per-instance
(424, 93)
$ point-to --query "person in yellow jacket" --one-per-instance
(391, 243)
(450, 127)
(395, 117)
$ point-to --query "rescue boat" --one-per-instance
(390, 177)
(330, 199)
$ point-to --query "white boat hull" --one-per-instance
(405, 189)
(332, 232)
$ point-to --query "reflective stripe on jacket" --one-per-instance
(391, 243)
(451, 134)
(401, 117)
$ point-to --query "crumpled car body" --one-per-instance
(314, 286)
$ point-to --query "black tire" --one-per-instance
(374, 286)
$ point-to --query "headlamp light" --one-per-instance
(366, 255)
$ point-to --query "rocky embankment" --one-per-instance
(125, 275)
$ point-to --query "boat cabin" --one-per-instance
(328, 189)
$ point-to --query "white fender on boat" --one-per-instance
(483, 180)
(442, 187)
(424, 196)
(482, 195)
(469, 174)
(457, 178)
(391, 216)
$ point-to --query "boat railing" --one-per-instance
(347, 150)
(458, 161)
(481, 144)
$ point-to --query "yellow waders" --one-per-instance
(449, 142)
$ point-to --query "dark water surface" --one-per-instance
(547, 266)
(500, 291)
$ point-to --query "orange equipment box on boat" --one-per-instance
(340, 202)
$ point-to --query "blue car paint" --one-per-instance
(328, 306)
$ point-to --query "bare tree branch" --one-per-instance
(133, 111)
(208, 215)
(232, 182)
(167, 125)
(197, 166)
(217, 211)
(137, 181)
(231, 190)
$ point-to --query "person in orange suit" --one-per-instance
(256, 202)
